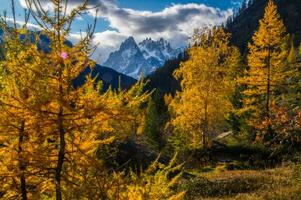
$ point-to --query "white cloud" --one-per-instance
(47, 5)
(22, 23)
(106, 42)
(175, 23)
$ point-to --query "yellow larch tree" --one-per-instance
(199, 110)
(78, 119)
(267, 61)
(21, 93)
(50, 129)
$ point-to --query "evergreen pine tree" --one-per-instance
(292, 56)
(155, 120)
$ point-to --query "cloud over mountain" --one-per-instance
(174, 23)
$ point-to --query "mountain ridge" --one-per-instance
(246, 23)
(108, 76)
(290, 11)
(144, 58)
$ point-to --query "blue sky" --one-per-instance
(157, 5)
(174, 20)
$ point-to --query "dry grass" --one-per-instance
(283, 183)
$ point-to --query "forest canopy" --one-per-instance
(222, 124)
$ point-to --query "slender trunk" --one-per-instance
(62, 145)
(203, 140)
(205, 131)
(61, 156)
(268, 97)
(22, 165)
(268, 87)
(60, 117)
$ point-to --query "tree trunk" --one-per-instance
(268, 86)
(268, 95)
(23, 187)
(60, 117)
(61, 156)
(62, 145)
(203, 140)
(22, 165)
(205, 131)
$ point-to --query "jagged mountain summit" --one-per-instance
(109, 77)
(135, 59)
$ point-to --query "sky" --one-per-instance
(174, 20)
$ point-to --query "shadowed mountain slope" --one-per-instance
(246, 23)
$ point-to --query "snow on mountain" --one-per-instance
(135, 59)
(161, 49)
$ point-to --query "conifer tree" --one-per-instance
(268, 68)
(47, 125)
(291, 97)
(200, 108)
(16, 97)
(155, 120)
(292, 56)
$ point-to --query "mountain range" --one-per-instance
(144, 58)
(242, 27)
(149, 56)
(108, 76)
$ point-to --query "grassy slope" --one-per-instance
(237, 180)
(281, 183)
(217, 181)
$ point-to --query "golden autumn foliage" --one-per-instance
(49, 128)
(18, 122)
(200, 108)
(272, 84)
(267, 63)
(154, 183)
(56, 137)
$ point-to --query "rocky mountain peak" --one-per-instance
(133, 59)
(128, 43)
